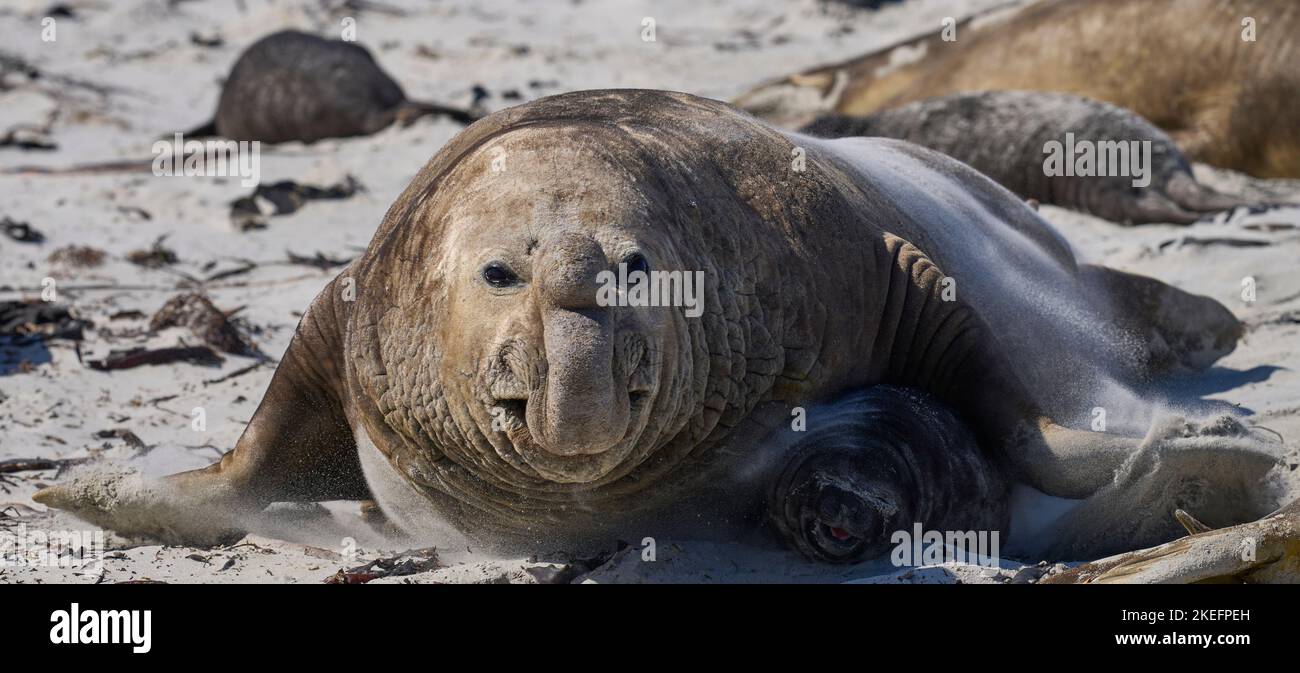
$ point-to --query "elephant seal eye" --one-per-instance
(497, 274)
(637, 262)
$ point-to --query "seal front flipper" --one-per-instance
(297, 447)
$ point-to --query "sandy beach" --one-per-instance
(121, 75)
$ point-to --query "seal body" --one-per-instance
(1219, 77)
(292, 85)
(1141, 176)
(497, 383)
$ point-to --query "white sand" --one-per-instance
(439, 52)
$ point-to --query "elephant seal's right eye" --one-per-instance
(497, 274)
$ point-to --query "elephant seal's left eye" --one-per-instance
(497, 274)
(637, 262)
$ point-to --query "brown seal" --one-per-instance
(1186, 65)
(476, 365)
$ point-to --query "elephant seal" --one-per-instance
(1189, 66)
(292, 85)
(1005, 135)
(473, 366)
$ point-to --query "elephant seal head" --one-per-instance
(501, 343)
(562, 379)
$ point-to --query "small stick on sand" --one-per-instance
(33, 464)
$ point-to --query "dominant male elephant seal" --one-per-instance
(1006, 135)
(466, 368)
(1189, 66)
(292, 85)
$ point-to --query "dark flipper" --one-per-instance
(410, 111)
(1184, 190)
(1182, 331)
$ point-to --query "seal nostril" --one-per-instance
(636, 262)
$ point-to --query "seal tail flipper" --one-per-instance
(1216, 469)
(409, 111)
(1152, 209)
(1181, 330)
(1187, 193)
(297, 447)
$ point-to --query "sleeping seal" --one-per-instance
(292, 85)
(479, 365)
(1223, 87)
(1005, 135)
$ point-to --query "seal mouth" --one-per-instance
(513, 409)
(511, 413)
(593, 436)
(511, 416)
(835, 542)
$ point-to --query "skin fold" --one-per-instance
(1182, 64)
(464, 359)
